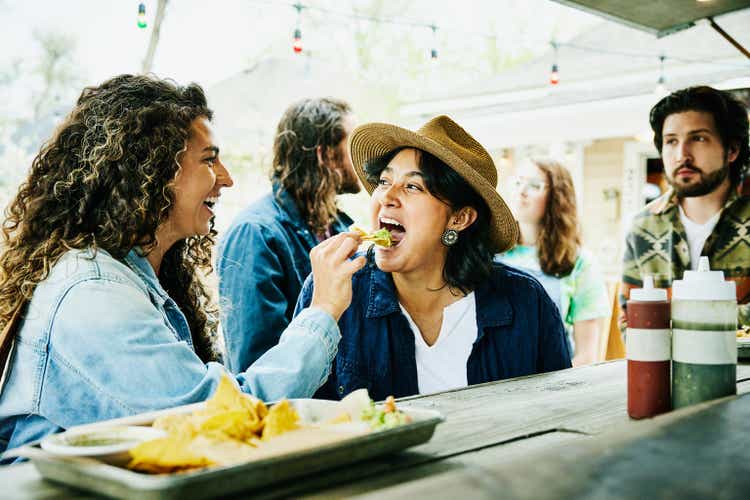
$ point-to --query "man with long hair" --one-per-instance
(263, 258)
(702, 135)
(102, 307)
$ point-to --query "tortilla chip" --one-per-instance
(228, 430)
(280, 419)
(381, 237)
(167, 454)
(222, 451)
(341, 418)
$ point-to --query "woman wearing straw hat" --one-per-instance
(432, 312)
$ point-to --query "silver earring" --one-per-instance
(449, 237)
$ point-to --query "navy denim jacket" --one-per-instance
(519, 333)
(263, 259)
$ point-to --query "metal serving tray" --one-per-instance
(103, 479)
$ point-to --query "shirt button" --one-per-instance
(341, 389)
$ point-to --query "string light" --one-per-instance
(554, 76)
(433, 50)
(661, 87)
(297, 40)
(418, 24)
(142, 15)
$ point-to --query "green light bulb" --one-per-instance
(142, 16)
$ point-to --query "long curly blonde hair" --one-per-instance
(103, 182)
(559, 237)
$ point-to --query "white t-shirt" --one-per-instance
(442, 366)
(697, 234)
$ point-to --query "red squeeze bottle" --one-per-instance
(648, 343)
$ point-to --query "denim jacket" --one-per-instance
(519, 333)
(263, 259)
(102, 339)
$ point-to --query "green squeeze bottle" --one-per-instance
(704, 330)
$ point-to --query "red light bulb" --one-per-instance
(297, 42)
(554, 77)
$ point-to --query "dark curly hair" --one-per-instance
(469, 261)
(304, 126)
(103, 182)
(559, 238)
(730, 118)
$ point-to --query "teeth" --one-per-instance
(386, 220)
(212, 199)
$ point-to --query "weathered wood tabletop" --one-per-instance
(559, 435)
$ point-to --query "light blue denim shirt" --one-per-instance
(102, 339)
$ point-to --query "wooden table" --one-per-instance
(558, 435)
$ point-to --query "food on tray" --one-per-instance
(109, 444)
(282, 418)
(381, 237)
(95, 440)
(743, 332)
(386, 417)
(235, 427)
(226, 431)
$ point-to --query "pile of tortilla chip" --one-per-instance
(229, 430)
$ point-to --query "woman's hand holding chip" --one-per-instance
(332, 272)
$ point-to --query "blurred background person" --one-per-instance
(263, 258)
(544, 203)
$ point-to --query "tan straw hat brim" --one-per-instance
(374, 140)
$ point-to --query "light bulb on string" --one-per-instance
(297, 40)
(661, 87)
(433, 50)
(554, 76)
(142, 15)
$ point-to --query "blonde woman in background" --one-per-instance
(544, 203)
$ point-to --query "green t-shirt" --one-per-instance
(579, 296)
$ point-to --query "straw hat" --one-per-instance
(445, 139)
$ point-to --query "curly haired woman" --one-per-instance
(103, 250)
(544, 202)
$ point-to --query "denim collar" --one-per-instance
(493, 307)
(136, 260)
(287, 206)
(381, 299)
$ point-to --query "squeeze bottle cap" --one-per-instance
(704, 284)
(648, 293)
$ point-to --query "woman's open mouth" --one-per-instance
(397, 230)
(210, 202)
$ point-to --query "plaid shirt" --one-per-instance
(657, 245)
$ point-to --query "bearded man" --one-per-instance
(263, 258)
(702, 136)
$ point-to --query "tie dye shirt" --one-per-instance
(581, 295)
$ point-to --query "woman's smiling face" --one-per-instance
(416, 219)
(198, 183)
